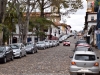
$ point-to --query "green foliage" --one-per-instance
(6, 34)
(40, 24)
(1, 27)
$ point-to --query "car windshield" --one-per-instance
(85, 57)
(41, 42)
(66, 41)
(14, 46)
(1, 49)
(28, 46)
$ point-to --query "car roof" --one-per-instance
(85, 52)
(81, 40)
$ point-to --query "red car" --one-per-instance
(66, 43)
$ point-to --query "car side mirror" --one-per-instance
(70, 56)
(97, 57)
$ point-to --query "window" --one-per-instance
(85, 57)
(92, 18)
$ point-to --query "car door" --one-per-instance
(7, 53)
(11, 52)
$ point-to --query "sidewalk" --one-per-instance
(96, 50)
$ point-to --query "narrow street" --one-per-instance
(52, 61)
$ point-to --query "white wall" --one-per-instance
(90, 15)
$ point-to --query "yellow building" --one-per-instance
(90, 5)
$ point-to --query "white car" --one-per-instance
(18, 49)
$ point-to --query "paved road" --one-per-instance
(52, 61)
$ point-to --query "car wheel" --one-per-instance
(32, 51)
(20, 55)
(73, 74)
(36, 50)
(44, 48)
(5, 60)
(12, 58)
(25, 54)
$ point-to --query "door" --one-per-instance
(14, 40)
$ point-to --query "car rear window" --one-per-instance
(81, 42)
(85, 57)
(83, 49)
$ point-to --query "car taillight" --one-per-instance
(73, 63)
(96, 64)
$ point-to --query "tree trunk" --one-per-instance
(2, 14)
(42, 9)
(26, 23)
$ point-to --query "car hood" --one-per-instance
(1, 54)
(14, 50)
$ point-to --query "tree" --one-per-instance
(10, 21)
(28, 6)
(72, 5)
(40, 25)
(2, 12)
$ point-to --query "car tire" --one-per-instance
(20, 55)
(12, 58)
(25, 54)
(4, 60)
(36, 50)
(73, 74)
(32, 51)
(44, 48)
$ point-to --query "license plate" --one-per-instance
(83, 70)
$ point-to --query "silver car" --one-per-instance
(18, 49)
(84, 62)
(41, 45)
(82, 48)
(31, 48)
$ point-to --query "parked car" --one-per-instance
(51, 43)
(83, 44)
(64, 37)
(83, 48)
(41, 45)
(79, 41)
(47, 43)
(57, 42)
(66, 43)
(54, 43)
(84, 62)
(6, 53)
(18, 49)
(31, 48)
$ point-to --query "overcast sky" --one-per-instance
(77, 20)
